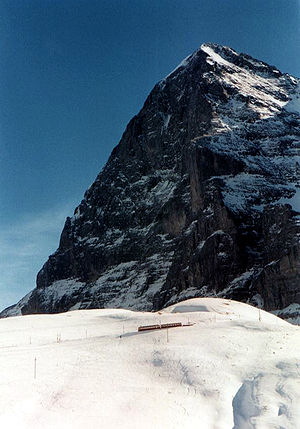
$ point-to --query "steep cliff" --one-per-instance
(200, 197)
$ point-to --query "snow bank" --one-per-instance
(234, 366)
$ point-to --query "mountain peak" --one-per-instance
(192, 201)
(221, 56)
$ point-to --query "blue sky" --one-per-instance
(73, 73)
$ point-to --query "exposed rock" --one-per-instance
(193, 201)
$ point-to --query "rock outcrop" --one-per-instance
(199, 198)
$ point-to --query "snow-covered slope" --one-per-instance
(234, 367)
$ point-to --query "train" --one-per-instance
(160, 326)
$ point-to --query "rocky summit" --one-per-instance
(201, 197)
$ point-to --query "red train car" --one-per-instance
(161, 326)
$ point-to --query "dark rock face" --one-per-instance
(200, 197)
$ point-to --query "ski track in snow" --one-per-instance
(227, 370)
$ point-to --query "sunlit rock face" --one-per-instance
(199, 198)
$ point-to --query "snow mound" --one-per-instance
(224, 307)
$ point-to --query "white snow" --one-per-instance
(61, 288)
(290, 313)
(166, 120)
(244, 188)
(15, 310)
(294, 104)
(235, 367)
(237, 283)
(265, 89)
(213, 57)
(124, 284)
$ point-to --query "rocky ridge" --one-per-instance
(200, 197)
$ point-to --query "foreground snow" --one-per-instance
(236, 367)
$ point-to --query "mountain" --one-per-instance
(233, 366)
(200, 198)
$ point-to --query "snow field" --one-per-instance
(236, 367)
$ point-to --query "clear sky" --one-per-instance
(73, 73)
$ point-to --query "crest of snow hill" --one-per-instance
(200, 198)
